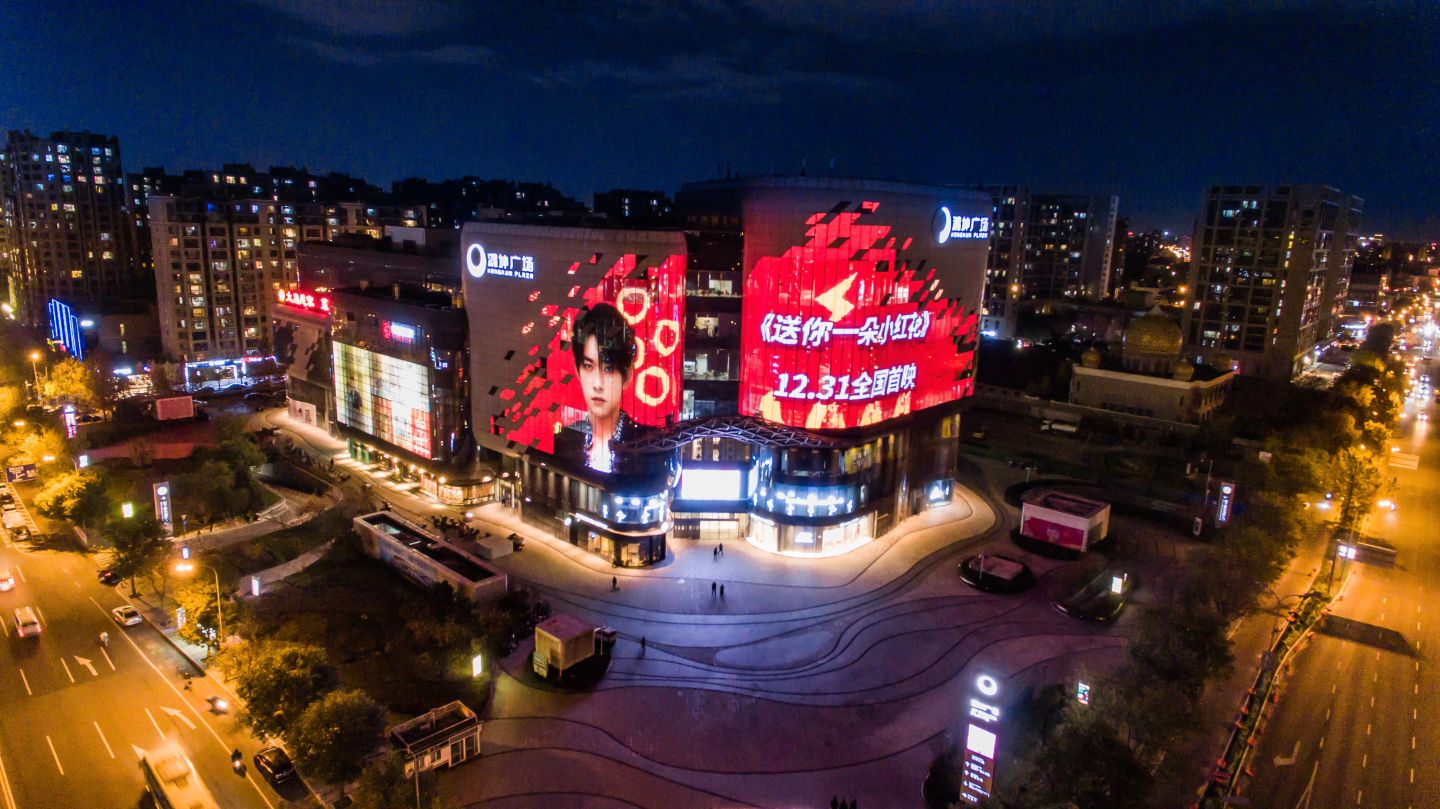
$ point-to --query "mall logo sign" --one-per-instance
(949, 226)
(479, 262)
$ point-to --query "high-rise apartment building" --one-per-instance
(1003, 268)
(1269, 272)
(217, 265)
(69, 230)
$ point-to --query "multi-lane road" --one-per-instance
(1354, 725)
(72, 712)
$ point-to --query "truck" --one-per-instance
(1063, 427)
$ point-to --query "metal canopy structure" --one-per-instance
(740, 428)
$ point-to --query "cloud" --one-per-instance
(369, 17)
(709, 76)
(370, 54)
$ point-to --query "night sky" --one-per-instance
(1133, 97)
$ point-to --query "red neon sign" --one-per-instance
(300, 299)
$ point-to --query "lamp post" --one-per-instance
(35, 369)
(188, 566)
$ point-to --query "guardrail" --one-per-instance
(1220, 788)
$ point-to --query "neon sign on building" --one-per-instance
(399, 332)
(301, 299)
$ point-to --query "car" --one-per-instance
(9, 507)
(21, 533)
(26, 624)
(6, 496)
(1424, 416)
(108, 577)
(126, 615)
(274, 764)
(7, 581)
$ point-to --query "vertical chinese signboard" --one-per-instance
(977, 776)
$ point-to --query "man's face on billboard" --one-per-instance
(600, 383)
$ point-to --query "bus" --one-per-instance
(172, 779)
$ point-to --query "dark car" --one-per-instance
(6, 496)
(1099, 600)
(108, 577)
(994, 573)
(274, 765)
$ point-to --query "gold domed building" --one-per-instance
(1150, 379)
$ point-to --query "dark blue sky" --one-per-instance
(1133, 97)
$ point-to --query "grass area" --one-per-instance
(383, 634)
(235, 561)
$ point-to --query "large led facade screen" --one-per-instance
(382, 396)
(859, 310)
(577, 336)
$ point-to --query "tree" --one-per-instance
(11, 400)
(334, 735)
(384, 785)
(35, 445)
(1356, 479)
(202, 621)
(139, 549)
(78, 496)
(1087, 764)
(277, 680)
(69, 380)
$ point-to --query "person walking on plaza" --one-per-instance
(614, 583)
(720, 549)
(722, 591)
(642, 644)
(712, 589)
(714, 553)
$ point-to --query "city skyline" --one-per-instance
(1151, 105)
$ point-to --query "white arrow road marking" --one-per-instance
(156, 724)
(1309, 789)
(1285, 762)
(103, 741)
(67, 669)
(25, 680)
(87, 664)
(55, 754)
(107, 659)
(177, 715)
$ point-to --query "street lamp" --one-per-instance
(189, 566)
(35, 369)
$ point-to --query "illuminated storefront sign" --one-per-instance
(853, 325)
(977, 777)
(399, 332)
(1223, 506)
(162, 506)
(71, 421)
(950, 226)
(479, 262)
(300, 299)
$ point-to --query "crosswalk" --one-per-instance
(1404, 460)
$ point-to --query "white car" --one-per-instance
(7, 580)
(126, 615)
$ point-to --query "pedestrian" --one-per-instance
(712, 589)
(720, 549)
(722, 591)
(714, 553)
(614, 583)
(642, 643)
(834, 802)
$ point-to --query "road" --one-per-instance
(74, 712)
(1353, 725)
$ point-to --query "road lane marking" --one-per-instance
(249, 776)
(1372, 702)
(1367, 728)
(1322, 747)
(103, 740)
(107, 658)
(1412, 742)
(5, 627)
(91, 666)
(21, 574)
(178, 715)
(1327, 714)
(25, 680)
(1412, 775)
(67, 669)
(42, 616)
(155, 724)
(1365, 761)
(55, 754)
(5, 783)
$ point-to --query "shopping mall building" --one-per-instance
(787, 369)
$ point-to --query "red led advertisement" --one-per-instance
(853, 326)
(580, 344)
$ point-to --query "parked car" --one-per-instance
(6, 496)
(274, 764)
(108, 577)
(126, 615)
(7, 581)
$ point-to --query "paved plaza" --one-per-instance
(811, 678)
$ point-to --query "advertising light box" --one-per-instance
(578, 335)
(858, 311)
(710, 484)
(382, 396)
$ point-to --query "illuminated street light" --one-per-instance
(18, 422)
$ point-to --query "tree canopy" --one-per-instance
(334, 735)
(277, 681)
